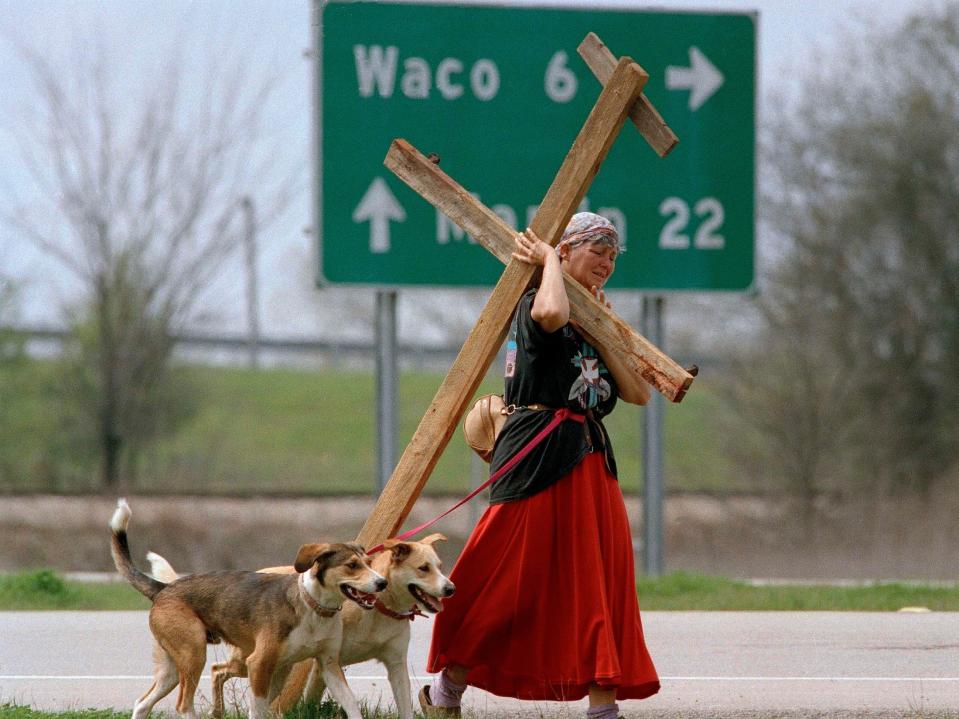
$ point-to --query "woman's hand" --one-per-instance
(531, 249)
(600, 295)
(550, 308)
(632, 389)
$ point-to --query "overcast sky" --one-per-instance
(793, 37)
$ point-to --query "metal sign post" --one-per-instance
(653, 480)
(386, 381)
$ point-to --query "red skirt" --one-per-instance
(545, 601)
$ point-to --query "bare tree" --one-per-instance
(861, 342)
(139, 196)
(11, 342)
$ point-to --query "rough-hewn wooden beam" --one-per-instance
(588, 151)
(449, 197)
(444, 413)
(488, 229)
(448, 406)
(607, 329)
(647, 120)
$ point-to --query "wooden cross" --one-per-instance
(623, 82)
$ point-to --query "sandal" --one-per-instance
(434, 712)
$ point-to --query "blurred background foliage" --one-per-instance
(843, 380)
(856, 364)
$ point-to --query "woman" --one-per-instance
(545, 606)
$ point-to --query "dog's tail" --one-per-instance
(120, 549)
(161, 569)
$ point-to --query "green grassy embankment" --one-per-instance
(681, 591)
(286, 431)
(46, 590)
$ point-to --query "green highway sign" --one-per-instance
(499, 93)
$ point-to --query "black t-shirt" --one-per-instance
(557, 369)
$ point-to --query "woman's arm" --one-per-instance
(550, 308)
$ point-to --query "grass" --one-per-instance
(303, 431)
(16, 711)
(327, 709)
(286, 431)
(682, 591)
(45, 590)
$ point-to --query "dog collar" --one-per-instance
(315, 605)
(409, 616)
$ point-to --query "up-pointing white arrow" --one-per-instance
(701, 77)
(379, 206)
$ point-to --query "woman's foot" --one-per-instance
(434, 712)
(603, 711)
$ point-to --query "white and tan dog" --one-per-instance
(271, 620)
(416, 585)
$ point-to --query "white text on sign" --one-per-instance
(673, 237)
(376, 70)
(447, 231)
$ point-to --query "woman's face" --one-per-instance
(590, 263)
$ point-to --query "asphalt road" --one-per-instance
(715, 664)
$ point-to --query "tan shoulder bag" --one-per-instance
(483, 424)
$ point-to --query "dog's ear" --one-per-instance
(400, 550)
(308, 554)
(358, 548)
(434, 538)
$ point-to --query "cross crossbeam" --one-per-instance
(621, 92)
(646, 118)
(489, 230)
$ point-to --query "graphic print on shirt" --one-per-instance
(511, 355)
(589, 389)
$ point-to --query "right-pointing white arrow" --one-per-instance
(379, 206)
(701, 77)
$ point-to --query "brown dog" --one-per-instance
(416, 584)
(273, 620)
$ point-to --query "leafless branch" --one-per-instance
(139, 197)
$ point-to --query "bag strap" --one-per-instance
(563, 413)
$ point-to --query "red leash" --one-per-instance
(561, 414)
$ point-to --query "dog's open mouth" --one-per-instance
(427, 601)
(366, 601)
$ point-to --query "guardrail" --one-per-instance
(234, 350)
